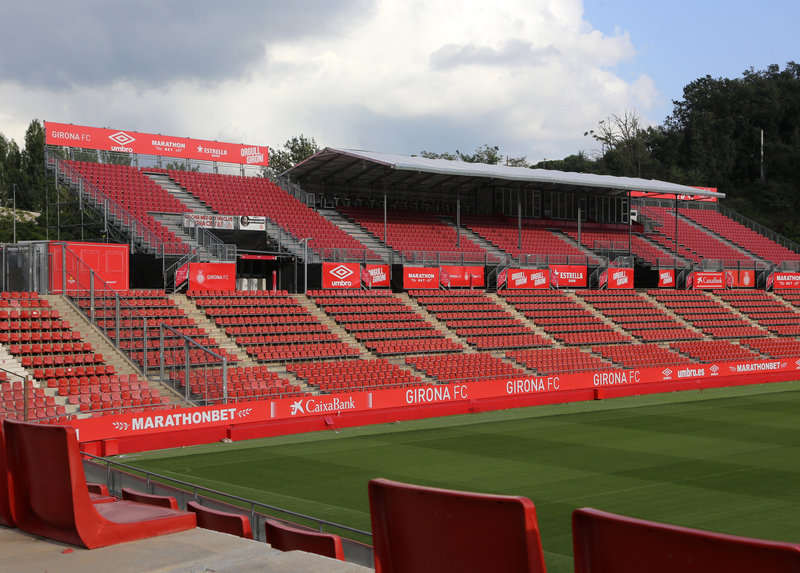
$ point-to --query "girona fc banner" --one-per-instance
(420, 277)
(619, 278)
(528, 279)
(68, 135)
(568, 275)
(212, 276)
(455, 276)
(740, 279)
(341, 275)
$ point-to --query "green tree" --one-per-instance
(294, 151)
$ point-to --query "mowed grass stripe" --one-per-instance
(726, 460)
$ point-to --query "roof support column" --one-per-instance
(385, 235)
(676, 225)
(519, 219)
(458, 215)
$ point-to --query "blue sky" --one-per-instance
(679, 41)
(530, 76)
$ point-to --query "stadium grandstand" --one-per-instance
(211, 299)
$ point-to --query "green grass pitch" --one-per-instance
(726, 460)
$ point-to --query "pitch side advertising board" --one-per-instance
(528, 279)
(68, 135)
(740, 278)
(341, 275)
(617, 278)
(420, 277)
(462, 276)
(568, 276)
(666, 278)
(377, 276)
(706, 280)
(108, 261)
(212, 276)
(781, 280)
(143, 423)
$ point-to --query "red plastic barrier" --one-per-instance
(98, 493)
(223, 521)
(610, 543)
(422, 529)
(51, 499)
(287, 538)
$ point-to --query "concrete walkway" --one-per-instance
(194, 551)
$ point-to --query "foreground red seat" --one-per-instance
(5, 507)
(50, 496)
(610, 543)
(423, 529)
(166, 501)
(222, 521)
(285, 537)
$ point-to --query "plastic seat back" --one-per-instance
(422, 529)
(223, 521)
(609, 543)
(285, 537)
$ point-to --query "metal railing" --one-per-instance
(760, 229)
(117, 475)
(144, 342)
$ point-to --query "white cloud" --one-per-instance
(529, 76)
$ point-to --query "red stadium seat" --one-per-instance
(422, 529)
(285, 537)
(5, 507)
(223, 521)
(50, 497)
(166, 501)
(610, 543)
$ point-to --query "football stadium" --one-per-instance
(393, 362)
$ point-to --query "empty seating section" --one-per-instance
(535, 238)
(271, 326)
(244, 383)
(554, 360)
(792, 296)
(345, 375)
(693, 243)
(383, 322)
(69, 376)
(763, 308)
(481, 321)
(563, 317)
(605, 238)
(137, 193)
(640, 355)
(409, 231)
(774, 347)
(155, 307)
(465, 367)
(705, 313)
(714, 350)
(236, 195)
(639, 316)
(743, 236)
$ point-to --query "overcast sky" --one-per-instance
(395, 76)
